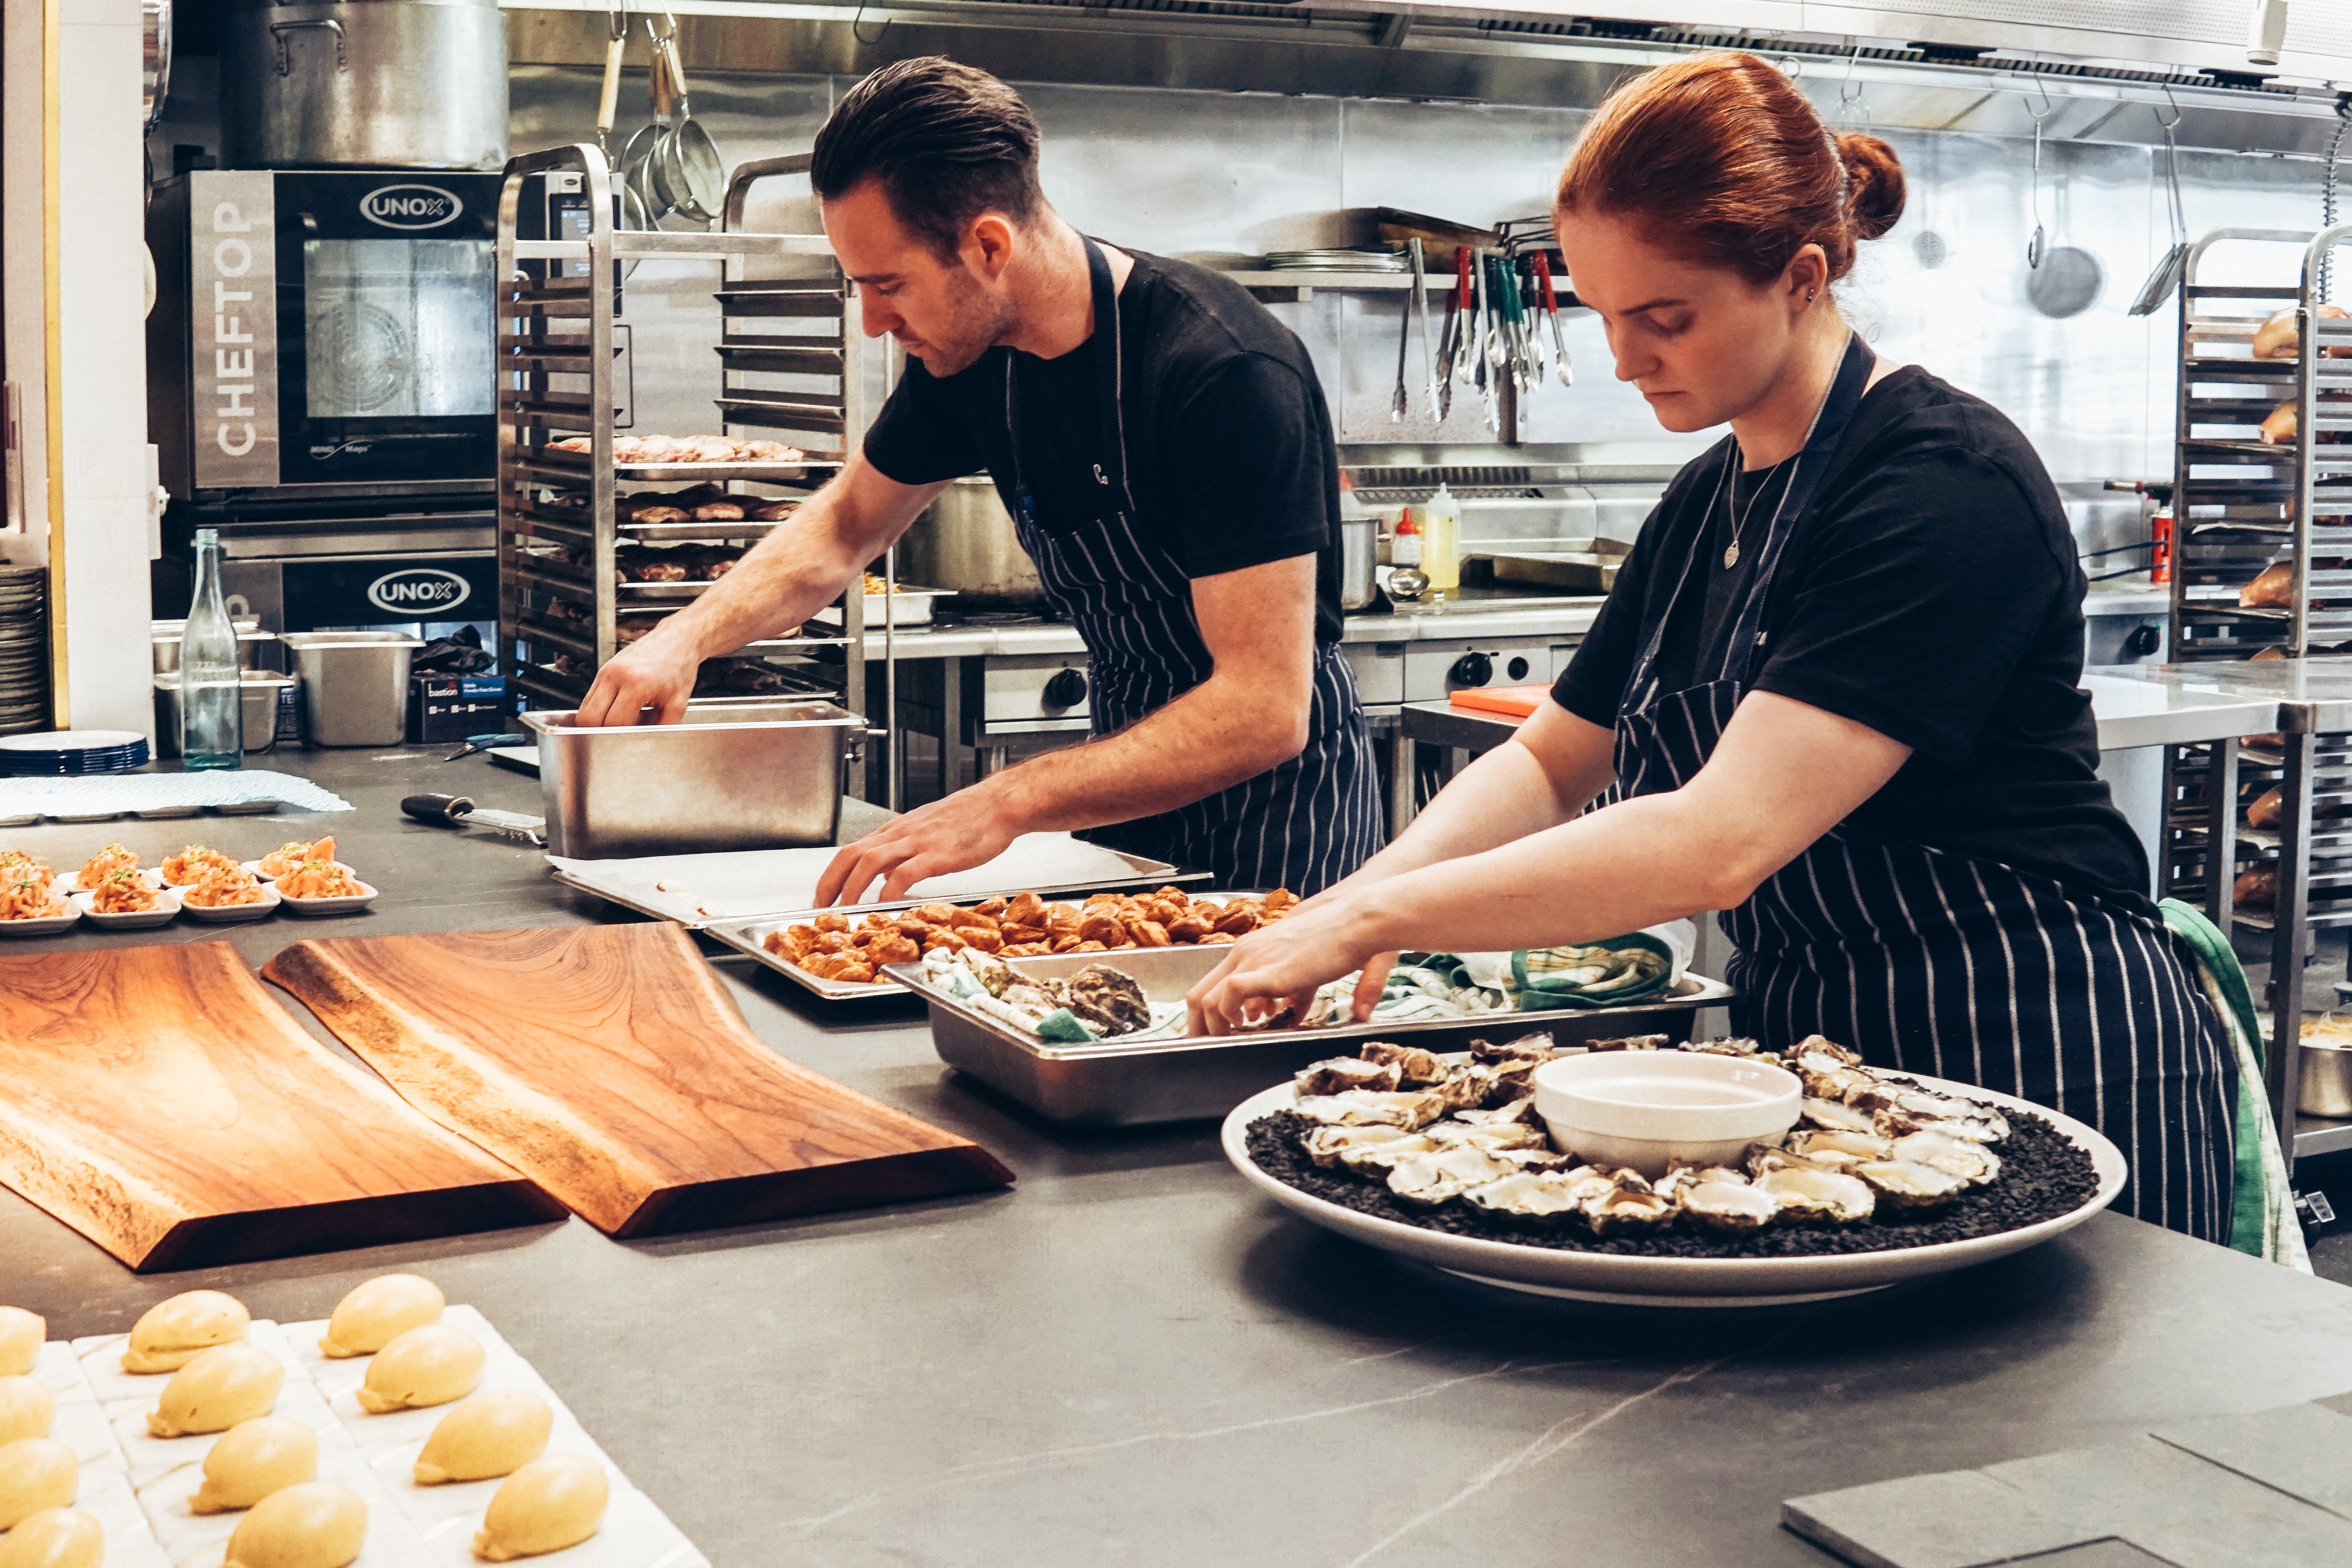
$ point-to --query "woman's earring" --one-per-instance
(1808, 296)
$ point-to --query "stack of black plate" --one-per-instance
(24, 649)
(71, 753)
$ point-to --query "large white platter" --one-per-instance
(1678, 1282)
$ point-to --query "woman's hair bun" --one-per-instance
(1874, 183)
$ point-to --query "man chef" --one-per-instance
(1164, 449)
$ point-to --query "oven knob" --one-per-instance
(1517, 669)
(1066, 689)
(1471, 670)
(2142, 641)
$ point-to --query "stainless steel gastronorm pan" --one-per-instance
(1109, 1085)
(740, 776)
(751, 936)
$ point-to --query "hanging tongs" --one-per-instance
(1552, 312)
(2033, 251)
(1449, 342)
(2166, 276)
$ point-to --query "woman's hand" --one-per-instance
(1284, 964)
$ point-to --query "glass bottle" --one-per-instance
(212, 704)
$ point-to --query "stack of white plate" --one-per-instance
(24, 649)
(72, 754)
(1382, 260)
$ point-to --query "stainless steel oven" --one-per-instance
(322, 333)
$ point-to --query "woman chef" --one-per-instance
(1836, 683)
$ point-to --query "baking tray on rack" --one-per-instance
(909, 607)
(701, 890)
(750, 937)
(771, 473)
(1106, 1084)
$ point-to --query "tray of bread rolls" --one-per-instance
(400, 1432)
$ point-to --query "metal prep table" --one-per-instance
(1129, 1357)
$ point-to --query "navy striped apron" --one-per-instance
(1304, 825)
(1948, 964)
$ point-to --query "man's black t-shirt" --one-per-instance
(1931, 592)
(1229, 442)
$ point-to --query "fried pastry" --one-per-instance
(27, 1408)
(312, 1524)
(492, 1434)
(172, 1332)
(36, 1473)
(549, 1504)
(217, 1389)
(55, 1538)
(253, 1459)
(21, 1334)
(422, 1368)
(378, 1311)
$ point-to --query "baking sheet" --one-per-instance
(750, 937)
(696, 890)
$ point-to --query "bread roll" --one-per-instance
(2278, 339)
(21, 1334)
(55, 1538)
(2273, 589)
(376, 1313)
(173, 1330)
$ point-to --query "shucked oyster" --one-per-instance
(1492, 1136)
(1365, 1149)
(1416, 1068)
(1509, 1111)
(1411, 1109)
(1628, 1207)
(1110, 999)
(1536, 1195)
(1823, 1046)
(1839, 1148)
(1836, 1115)
(1631, 1043)
(1431, 1179)
(1728, 1045)
(1806, 1190)
(1909, 1185)
(1342, 1073)
(1535, 1048)
(1717, 1197)
(1973, 1163)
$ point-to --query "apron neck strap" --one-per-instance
(1109, 351)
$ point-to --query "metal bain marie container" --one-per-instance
(1106, 1084)
(753, 775)
(354, 685)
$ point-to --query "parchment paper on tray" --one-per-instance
(696, 889)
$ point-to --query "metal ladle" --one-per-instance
(2033, 246)
(2166, 276)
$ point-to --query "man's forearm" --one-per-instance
(1210, 739)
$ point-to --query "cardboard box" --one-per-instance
(452, 707)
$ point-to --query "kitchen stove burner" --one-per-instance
(947, 617)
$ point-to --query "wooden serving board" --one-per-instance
(609, 1063)
(160, 1102)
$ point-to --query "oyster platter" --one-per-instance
(1447, 1157)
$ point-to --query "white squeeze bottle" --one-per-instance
(1440, 541)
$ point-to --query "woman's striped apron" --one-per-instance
(1304, 825)
(1946, 964)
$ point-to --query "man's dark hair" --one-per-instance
(946, 143)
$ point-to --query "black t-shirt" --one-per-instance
(1931, 592)
(1229, 443)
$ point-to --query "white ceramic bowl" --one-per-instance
(1649, 1108)
(167, 908)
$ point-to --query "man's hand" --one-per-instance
(964, 830)
(658, 673)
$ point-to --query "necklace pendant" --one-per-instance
(1731, 555)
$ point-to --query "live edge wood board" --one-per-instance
(162, 1103)
(609, 1063)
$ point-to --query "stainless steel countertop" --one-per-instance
(1131, 1358)
(1550, 617)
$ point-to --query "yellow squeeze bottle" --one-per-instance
(1441, 541)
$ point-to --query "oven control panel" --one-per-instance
(1433, 671)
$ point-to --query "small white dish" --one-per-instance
(161, 812)
(45, 925)
(248, 807)
(1649, 1109)
(229, 914)
(73, 883)
(84, 815)
(167, 905)
(350, 904)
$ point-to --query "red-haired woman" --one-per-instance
(1837, 683)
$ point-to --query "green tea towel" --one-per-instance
(1609, 973)
(2263, 1221)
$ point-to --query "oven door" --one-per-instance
(386, 337)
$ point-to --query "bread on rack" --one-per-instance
(2278, 338)
(2257, 888)
(2272, 589)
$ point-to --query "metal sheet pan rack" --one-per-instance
(2235, 511)
(564, 608)
(2243, 504)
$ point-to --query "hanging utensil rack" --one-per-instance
(559, 537)
(2240, 506)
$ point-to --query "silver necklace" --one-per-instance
(1739, 519)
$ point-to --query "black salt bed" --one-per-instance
(2043, 1175)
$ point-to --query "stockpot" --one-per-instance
(408, 84)
(966, 544)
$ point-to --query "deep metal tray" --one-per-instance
(1106, 1084)
(751, 936)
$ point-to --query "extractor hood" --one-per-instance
(2110, 69)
